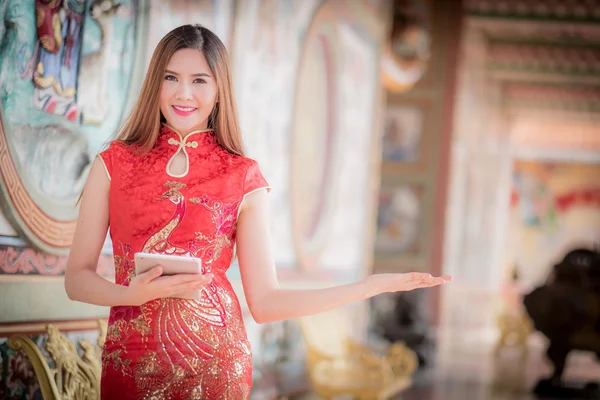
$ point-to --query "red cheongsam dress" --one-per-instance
(178, 348)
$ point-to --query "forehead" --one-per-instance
(190, 61)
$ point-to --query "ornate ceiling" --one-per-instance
(545, 10)
(546, 56)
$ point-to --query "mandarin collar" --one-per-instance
(192, 140)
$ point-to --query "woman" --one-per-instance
(176, 182)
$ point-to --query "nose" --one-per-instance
(184, 91)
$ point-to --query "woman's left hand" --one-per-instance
(386, 283)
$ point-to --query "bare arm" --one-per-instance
(82, 283)
(268, 302)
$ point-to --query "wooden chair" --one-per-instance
(338, 365)
(72, 376)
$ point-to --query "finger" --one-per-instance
(203, 281)
(426, 282)
(186, 288)
(418, 276)
(442, 280)
(434, 282)
(425, 278)
(180, 279)
(418, 279)
(152, 274)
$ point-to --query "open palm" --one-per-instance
(384, 283)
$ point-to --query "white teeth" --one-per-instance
(184, 109)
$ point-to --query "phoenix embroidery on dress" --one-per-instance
(159, 242)
(224, 217)
(208, 307)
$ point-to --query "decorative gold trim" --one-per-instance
(37, 327)
(514, 330)
(187, 160)
(72, 376)
(246, 195)
(183, 143)
(354, 369)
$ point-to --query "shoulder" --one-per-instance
(238, 162)
(253, 178)
(115, 146)
(247, 162)
(251, 168)
(118, 150)
(114, 153)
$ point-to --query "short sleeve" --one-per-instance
(254, 179)
(105, 157)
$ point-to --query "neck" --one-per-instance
(180, 209)
(186, 134)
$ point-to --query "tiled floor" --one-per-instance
(467, 370)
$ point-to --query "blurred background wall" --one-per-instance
(440, 136)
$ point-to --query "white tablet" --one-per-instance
(172, 265)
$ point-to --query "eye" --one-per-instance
(199, 80)
(170, 78)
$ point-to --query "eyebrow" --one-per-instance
(194, 75)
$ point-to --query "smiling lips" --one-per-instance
(183, 111)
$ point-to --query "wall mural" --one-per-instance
(167, 15)
(60, 134)
(555, 207)
(309, 123)
(271, 47)
(306, 75)
(402, 139)
(406, 198)
(399, 219)
(347, 244)
(48, 50)
(25, 261)
(315, 139)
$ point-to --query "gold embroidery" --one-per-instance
(159, 242)
(115, 359)
(224, 217)
(141, 325)
(181, 144)
(124, 266)
(114, 332)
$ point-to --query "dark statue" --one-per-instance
(566, 309)
(404, 317)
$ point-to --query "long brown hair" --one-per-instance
(143, 125)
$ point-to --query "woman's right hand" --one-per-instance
(151, 285)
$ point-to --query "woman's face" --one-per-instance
(188, 91)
